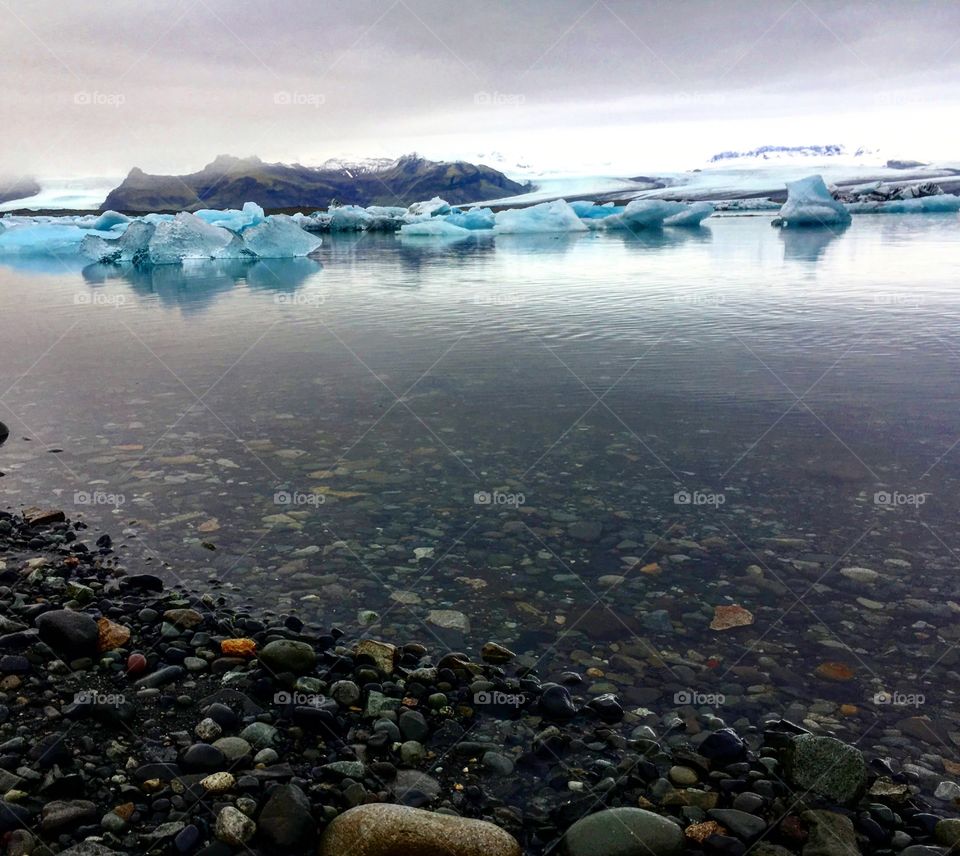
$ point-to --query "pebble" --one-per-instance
(233, 827)
(623, 832)
(387, 830)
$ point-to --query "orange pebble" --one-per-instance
(238, 647)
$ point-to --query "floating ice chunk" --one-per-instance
(349, 218)
(250, 215)
(945, 203)
(691, 215)
(475, 218)
(586, 210)
(280, 237)
(556, 216)
(640, 214)
(188, 237)
(434, 228)
(108, 220)
(40, 238)
(132, 246)
(431, 208)
(809, 203)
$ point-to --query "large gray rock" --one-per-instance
(288, 655)
(623, 832)
(826, 766)
(285, 822)
(70, 634)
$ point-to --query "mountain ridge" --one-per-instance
(229, 181)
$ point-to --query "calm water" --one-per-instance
(529, 415)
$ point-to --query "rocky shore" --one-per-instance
(140, 718)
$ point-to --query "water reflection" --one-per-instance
(809, 244)
(195, 285)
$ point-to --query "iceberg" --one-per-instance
(350, 218)
(435, 228)
(556, 216)
(106, 221)
(944, 203)
(475, 218)
(809, 203)
(431, 208)
(132, 246)
(278, 237)
(692, 215)
(186, 236)
(586, 210)
(250, 215)
(40, 239)
(644, 214)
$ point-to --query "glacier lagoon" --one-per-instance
(567, 442)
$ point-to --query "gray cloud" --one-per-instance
(98, 88)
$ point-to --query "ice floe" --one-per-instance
(809, 203)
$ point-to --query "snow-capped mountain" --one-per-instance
(830, 153)
(357, 167)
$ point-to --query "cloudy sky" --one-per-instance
(581, 86)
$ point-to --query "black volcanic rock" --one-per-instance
(228, 182)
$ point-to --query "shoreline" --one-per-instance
(141, 716)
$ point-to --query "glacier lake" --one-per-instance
(577, 445)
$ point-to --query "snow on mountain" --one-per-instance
(354, 166)
(830, 153)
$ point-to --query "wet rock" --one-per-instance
(203, 757)
(830, 834)
(585, 530)
(111, 635)
(449, 619)
(556, 703)
(496, 654)
(285, 822)
(826, 766)
(233, 827)
(63, 813)
(287, 655)
(947, 832)
(383, 654)
(71, 634)
(34, 516)
(723, 746)
(623, 832)
(741, 823)
(386, 830)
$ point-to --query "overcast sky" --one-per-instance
(92, 88)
